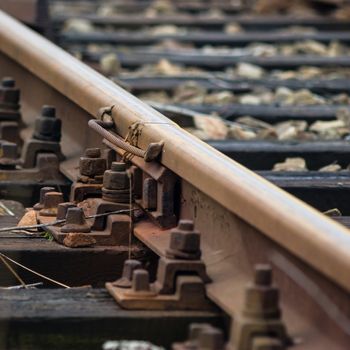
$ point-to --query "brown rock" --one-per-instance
(78, 240)
(28, 218)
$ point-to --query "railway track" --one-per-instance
(175, 180)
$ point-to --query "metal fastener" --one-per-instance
(129, 267)
(184, 242)
(116, 184)
(211, 338)
(63, 209)
(9, 94)
(140, 281)
(51, 202)
(8, 154)
(43, 191)
(47, 126)
(92, 164)
(75, 221)
(261, 296)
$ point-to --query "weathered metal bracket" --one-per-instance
(154, 189)
(113, 229)
(180, 283)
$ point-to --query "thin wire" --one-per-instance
(131, 212)
(61, 221)
(34, 272)
(13, 272)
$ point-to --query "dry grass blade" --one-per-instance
(3, 256)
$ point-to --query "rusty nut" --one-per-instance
(184, 238)
(91, 164)
(116, 178)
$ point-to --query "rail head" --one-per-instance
(284, 219)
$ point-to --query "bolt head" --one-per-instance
(9, 150)
(92, 167)
(63, 209)
(263, 275)
(185, 225)
(43, 191)
(75, 215)
(211, 338)
(48, 111)
(195, 329)
(118, 166)
(140, 281)
(93, 153)
(115, 180)
(51, 202)
(184, 238)
(75, 221)
(129, 267)
(8, 82)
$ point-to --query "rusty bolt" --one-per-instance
(51, 202)
(43, 191)
(262, 297)
(8, 82)
(91, 164)
(47, 126)
(75, 221)
(184, 241)
(63, 209)
(9, 150)
(140, 281)
(116, 178)
(129, 267)
(263, 275)
(9, 94)
(211, 338)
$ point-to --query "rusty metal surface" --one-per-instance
(243, 219)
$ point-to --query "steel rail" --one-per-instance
(314, 239)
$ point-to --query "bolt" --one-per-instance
(75, 221)
(9, 150)
(184, 241)
(185, 225)
(51, 202)
(92, 164)
(116, 186)
(48, 111)
(8, 155)
(140, 281)
(47, 126)
(43, 191)
(262, 298)
(9, 94)
(116, 178)
(195, 329)
(8, 82)
(211, 338)
(93, 153)
(63, 209)
(263, 275)
(129, 267)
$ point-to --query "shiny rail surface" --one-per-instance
(243, 218)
